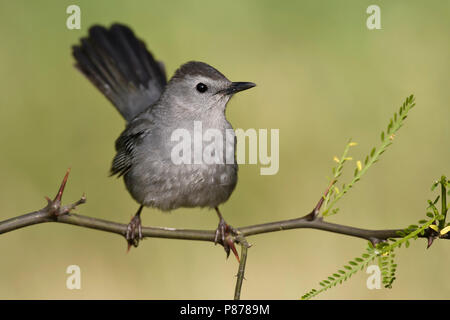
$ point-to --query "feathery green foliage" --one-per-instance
(382, 250)
(343, 274)
(388, 268)
(387, 138)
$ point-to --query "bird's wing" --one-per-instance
(126, 145)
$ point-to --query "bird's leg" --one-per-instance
(226, 235)
(134, 229)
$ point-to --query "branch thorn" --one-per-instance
(54, 207)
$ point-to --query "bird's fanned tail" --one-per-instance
(121, 67)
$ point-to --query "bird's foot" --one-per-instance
(226, 235)
(134, 232)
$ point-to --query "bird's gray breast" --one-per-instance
(156, 179)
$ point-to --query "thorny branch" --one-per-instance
(55, 212)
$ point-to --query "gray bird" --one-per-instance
(122, 68)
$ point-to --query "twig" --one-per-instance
(43, 216)
(242, 263)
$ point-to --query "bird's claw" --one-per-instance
(226, 236)
(134, 232)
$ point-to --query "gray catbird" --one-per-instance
(121, 67)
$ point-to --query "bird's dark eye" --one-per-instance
(201, 87)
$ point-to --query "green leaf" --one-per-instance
(400, 233)
(434, 185)
(436, 200)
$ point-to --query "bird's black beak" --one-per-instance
(238, 86)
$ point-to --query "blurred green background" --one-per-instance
(322, 77)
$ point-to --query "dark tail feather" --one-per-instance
(121, 67)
